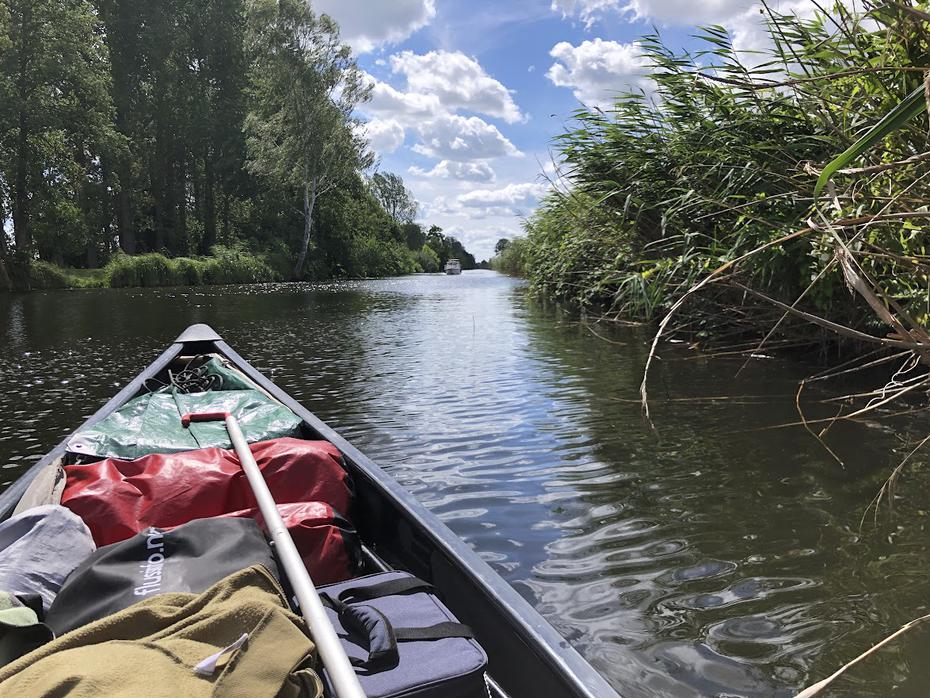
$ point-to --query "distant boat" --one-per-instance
(453, 266)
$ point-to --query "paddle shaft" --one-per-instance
(331, 650)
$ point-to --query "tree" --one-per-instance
(428, 259)
(394, 196)
(413, 235)
(501, 245)
(305, 87)
(437, 241)
(54, 110)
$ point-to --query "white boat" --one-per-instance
(453, 266)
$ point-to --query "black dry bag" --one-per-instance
(189, 558)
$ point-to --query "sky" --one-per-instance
(467, 95)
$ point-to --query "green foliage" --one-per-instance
(447, 247)
(164, 129)
(511, 258)
(225, 266)
(38, 275)
(6, 282)
(233, 265)
(913, 105)
(305, 87)
(45, 275)
(144, 270)
(371, 258)
(55, 108)
(390, 191)
(721, 163)
(428, 259)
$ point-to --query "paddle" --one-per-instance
(331, 650)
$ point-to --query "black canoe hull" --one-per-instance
(527, 657)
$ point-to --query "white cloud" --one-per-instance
(588, 11)
(461, 139)
(511, 195)
(689, 12)
(515, 199)
(480, 240)
(405, 107)
(677, 12)
(487, 212)
(479, 171)
(365, 25)
(598, 70)
(438, 84)
(748, 30)
(384, 135)
(458, 81)
(742, 18)
(436, 106)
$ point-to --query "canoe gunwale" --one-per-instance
(527, 655)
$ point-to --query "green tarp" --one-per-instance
(152, 424)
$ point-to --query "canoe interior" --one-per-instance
(527, 657)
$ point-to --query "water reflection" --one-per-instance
(715, 557)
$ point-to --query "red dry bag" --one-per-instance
(119, 498)
(327, 543)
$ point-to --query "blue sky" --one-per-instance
(467, 94)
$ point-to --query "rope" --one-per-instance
(187, 380)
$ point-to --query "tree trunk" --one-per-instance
(3, 244)
(160, 173)
(158, 195)
(20, 195)
(209, 206)
(127, 234)
(225, 215)
(117, 19)
(310, 189)
(21, 231)
(180, 246)
(91, 233)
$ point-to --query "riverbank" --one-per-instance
(702, 200)
(227, 265)
(147, 270)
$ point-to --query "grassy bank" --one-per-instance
(225, 266)
(707, 184)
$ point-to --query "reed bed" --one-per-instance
(754, 202)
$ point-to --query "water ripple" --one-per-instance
(710, 558)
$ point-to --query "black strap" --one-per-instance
(391, 587)
(433, 632)
(371, 624)
(382, 637)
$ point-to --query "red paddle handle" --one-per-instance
(203, 417)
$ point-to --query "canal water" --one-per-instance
(717, 555)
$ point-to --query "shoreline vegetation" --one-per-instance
(716, 204)
(154, 270)
(190, 156)
(225, 266)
